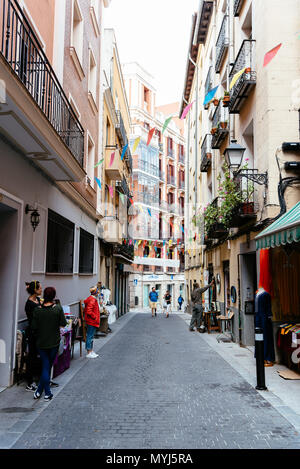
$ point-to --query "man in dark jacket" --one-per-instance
(196, 298)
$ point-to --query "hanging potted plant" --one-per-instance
(223, 124)
(226, 99)
(248, 70)
(216, 102)
(214, 130)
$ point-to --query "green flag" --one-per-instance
(167, 122)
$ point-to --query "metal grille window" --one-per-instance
(60, 244)
(222, 43)
(86, 252)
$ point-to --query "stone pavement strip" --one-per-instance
(156, 385)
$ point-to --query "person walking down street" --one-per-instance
(180, 301)
(34, 290)
(168, 299)
(46, 323)
(92, 320)
(196, 298)
(153, 297)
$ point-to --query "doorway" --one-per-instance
(248, 282)
(8, 290)
(226, 285)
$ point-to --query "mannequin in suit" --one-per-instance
(263, 319)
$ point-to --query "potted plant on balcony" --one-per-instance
(223, 124)
(226, 99)
(214, 130)
(248, 70)
(247, 204)
(216, 102)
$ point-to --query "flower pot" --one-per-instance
(208, 156)
(216, 102)
(223, 125)
(247, 208)
(248, 70)
(213, 130)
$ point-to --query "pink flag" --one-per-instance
(111, 191)
(186, 110)
(150, 135)
(271, 54)
(112, 157)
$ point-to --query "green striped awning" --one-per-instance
(283, 231)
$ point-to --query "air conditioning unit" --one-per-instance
(293, 147)
(292, 165)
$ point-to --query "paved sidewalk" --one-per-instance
(282, 394)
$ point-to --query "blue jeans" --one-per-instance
(90, 332)
(47, 357)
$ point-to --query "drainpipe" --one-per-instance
(196, 127)
(231, 61)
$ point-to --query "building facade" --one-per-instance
(116, 176)
(50, 137)
(254, 113)
(157, 223)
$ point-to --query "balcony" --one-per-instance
(148, 167)
(247, 210)
(220, 128)
(123, 185)
(125, 252)
(206, 153)
(162, 175)
(222, 44)
(171, 153)
(237, 7)
(161, 147)
(113, 171)
(110, 230)
(147, 198)
(181, 158)
(171, 180)
(244, 85)
(163, 206)
(181, 185)
(38, 119)
(120, 129)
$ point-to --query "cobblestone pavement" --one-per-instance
(157, 385)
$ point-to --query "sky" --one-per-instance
(156, 34)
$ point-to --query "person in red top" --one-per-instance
(92, 320)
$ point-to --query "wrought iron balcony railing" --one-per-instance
(125, 250)
(171, 152)
(242, 88)
(219, 126)
(24, 54)
(237, 7)
(171, 180)
(148, 168)
(206, 153)
(181, 158)
(222, 44)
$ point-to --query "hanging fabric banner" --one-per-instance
(271, 54)
(186, 110)
(210, 95)
(122, 197)
(167, 122)
(136, 144)
(99, 162)
(124, 151)
(236, 77)
(112, 157)
(150, 135)
(111, 191)
(98, 182)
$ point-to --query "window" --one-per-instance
(86, 252)
(92, 81)
(60, 244)
(95, 15)
(77, 30)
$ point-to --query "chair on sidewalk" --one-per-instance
(227, 321)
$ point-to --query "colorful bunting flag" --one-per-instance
(236, 77)
(98, 182)
(122, 197)
(112, 157)
(167, 122)
(149, 211)
(136, 144)
(186, 110)
(271, 54)
(124, 151)
(210, 95)
(99, 162)
(150, 135)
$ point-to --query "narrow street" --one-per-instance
(157, 385)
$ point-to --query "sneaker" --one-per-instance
(36, 395)
(92, 355)
(48, 398)
(55, 385)
(31, 387)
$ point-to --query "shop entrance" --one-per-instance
(248, 286)
(226, 285)
(8, 289)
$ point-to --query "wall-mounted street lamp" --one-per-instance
(234, 155)
(34, 217)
